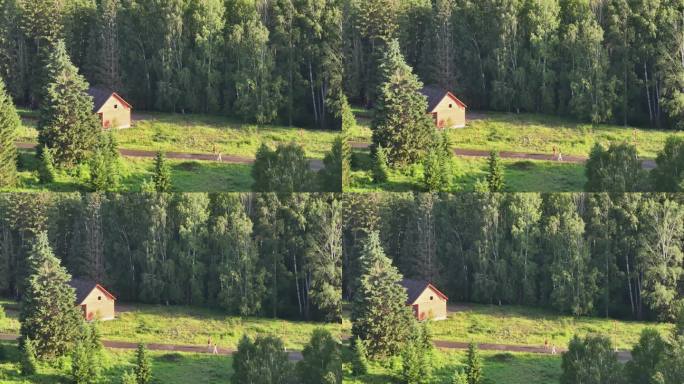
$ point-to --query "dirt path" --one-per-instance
(315, 164)
(647, 163)
(293, 355)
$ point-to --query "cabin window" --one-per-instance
(99, 297)
(451, 105)
(116, 106)
(432, 297)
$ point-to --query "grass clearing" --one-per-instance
(192, 326)
(167, 368)
(534, 133)
(509, 368)
(520, 176)
(186, 175)
(517, 325)
(197, 133)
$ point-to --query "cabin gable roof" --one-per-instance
(435, 95)
(414, 288)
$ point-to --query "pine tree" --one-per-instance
(473, 365)
(86, 356)
(9, 124)
(401, 124)
(437, 165)
(47, 286)
(379, 314)
(459, 377)
(495, 176)
(29, 360)
(162, 174)
(67, 123)
(360, 358)
(380, 171)
(416, 360)
(337, 166)
(143, 369)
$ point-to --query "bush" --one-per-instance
(143, 370)
(263, 357)
(129, 378)
(322, 362)
(616, 169)
(591, 360)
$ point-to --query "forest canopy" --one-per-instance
(248, 254)
(261, 61)
(594, 60)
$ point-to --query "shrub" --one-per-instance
(143, 370)
(380, 168)
(29, 361)
(360, 358)
(46, 168)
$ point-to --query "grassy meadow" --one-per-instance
(509, 368)
(532, 133)
(196, 133)
(516, 325)
(183, 325)
(167, 368)
(186, 176)
(520, 175)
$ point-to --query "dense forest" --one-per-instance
(249, 254)
(595, 60)
(614, 255)
(262, 61)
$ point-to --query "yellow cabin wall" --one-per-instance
(454, 117)
(435, 309)
(102, 309)
(116, 113)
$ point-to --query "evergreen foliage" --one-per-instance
(337, 163)
(360, 358)
(473, 369)
(495, 175)
(380, 167)
(9, 124)
(86, 356)
(401, 124)
(104, 164)
(47, 286)
(46, 169)
(143, 368)
(437, 165)
(29, 360)
(162, 174)
(128, 377)
(67, 123)
(379, 315)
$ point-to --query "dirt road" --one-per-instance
(647, 163)
(315, 164)
(293, 355)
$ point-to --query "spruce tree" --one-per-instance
(162, 174)
(128, 377)
(437, 165)
(401, 124)
(86, 356)
(337, 166)
(380, 316)
(459, 377)
(29, 360)
(46, 168)
(67, 123)
(495, 176)
(380, 171)
(360, 358)
(104, 164)
(473, 365)
(47, 286)
(143, 369)
(9, 124)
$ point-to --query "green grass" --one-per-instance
(520, 176)
(540, 133)
(516, 325)
(187, 176)
(167, 368)
(192, 326)
(509, 368)
(206, 133)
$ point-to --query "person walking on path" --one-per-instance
(215, 350)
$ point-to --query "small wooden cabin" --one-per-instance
(96, 303)
(426, 301)
(114, 111)
(447, 110)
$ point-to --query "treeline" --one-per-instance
(614, 255)
(249, 254)
(596, 60)
(262, 61)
